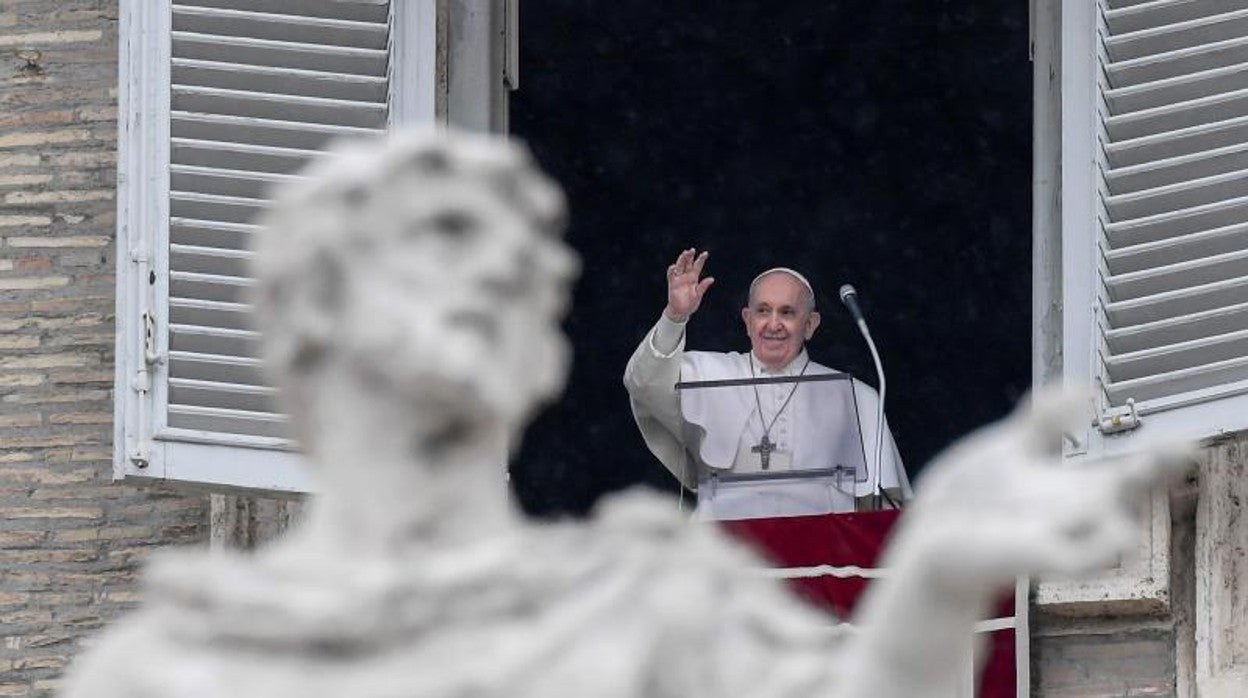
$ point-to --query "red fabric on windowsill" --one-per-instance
(857, 539)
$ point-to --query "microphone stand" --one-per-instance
(850, 298)
(877, 497)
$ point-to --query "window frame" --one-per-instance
(1070, 353)
(143, 447)
(1066, 259)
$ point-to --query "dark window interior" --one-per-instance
(884, 143)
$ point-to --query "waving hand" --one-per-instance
(685, 287)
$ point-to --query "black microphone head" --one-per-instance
(847, 292)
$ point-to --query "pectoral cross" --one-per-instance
(764, 449)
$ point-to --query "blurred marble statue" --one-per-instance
(410, 293)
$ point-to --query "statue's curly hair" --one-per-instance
(344, 207)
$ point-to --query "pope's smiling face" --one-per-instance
(779, 319)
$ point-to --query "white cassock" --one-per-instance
(708, 436)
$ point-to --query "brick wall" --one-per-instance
(71, 542)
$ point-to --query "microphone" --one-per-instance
(850, 298)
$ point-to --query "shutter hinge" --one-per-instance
(150, 357)
(140, 455)
(1118, 419)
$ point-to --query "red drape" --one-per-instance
(857, 539)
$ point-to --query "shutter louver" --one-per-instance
(1174, 204)
(258, 88)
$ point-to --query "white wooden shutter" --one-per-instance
(1171, 299)
(1142, 240)
(243, 94)
(255, 95)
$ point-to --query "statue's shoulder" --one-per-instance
(712, 608)
(646, 530)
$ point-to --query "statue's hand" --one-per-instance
(685, 287)
(1004, 502)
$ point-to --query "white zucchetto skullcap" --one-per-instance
(784, 270)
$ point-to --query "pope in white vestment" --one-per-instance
(709, 437)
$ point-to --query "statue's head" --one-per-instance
(427, 264)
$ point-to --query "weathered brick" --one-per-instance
(76, 535)
(81, 258)
(87, 453)
(124, 597)
(53, 37)
(92, 579)
(22, 180)
(45, 117)
(63, 305)
(38, 640)
(13, 160)
(59, 241)
(27, 265)
(72, 598)
(38, 441)
(78, 512)
(83, 339)
(21, 380)
(57, 455)
(69, 359)
(108, 280)
(19, 341)
(23, 220)
(97, 113)
(80, 418)
(80, 377)
(60, 514)
(33, 283)
(9, 688)
(124, 532)
(55, 323)
(55, 661)
(38, 138)
(80, 179)
(45, 476)
(44, 556)
(31, 419)
(63, 397)
(97, 493)
(69, 196)
(25, 616)
(79, 159)
(20, 539)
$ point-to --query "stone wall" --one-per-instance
(1103, 658)
(1145, 654)
(71, 541)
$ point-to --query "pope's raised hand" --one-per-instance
(685, 285)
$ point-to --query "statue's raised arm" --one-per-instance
(999, 504)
